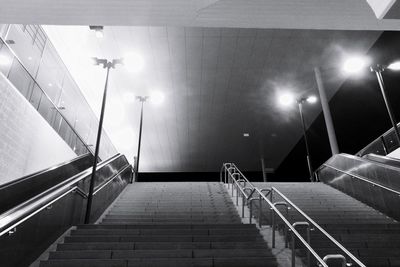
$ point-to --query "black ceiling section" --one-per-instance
(358, 113)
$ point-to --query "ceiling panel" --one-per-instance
(218, 83)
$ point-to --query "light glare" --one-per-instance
(4, 60)
(312, 99)
(157, 97)
(133, 62)
(394, 66)
(286, 99)
(355, 65)
(99, 34)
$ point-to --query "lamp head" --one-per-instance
(355, 64)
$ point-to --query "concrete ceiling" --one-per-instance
(290, 14)
(218, 83)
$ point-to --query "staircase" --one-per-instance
(166, 224)
(369, 235)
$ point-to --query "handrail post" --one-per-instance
(273, 227)
(331, 257)
(307, 225)
(250, 203)
(260, 211)
(243, 203)
(287, 214)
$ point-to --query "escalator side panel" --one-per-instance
(36, 234)
(383, 200)
(20, 190)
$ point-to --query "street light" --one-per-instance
(378, 69)
(157, 98)
(106, 65)
(311, 100)
(287, 99)
(142, 99)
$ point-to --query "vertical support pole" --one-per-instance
(384, 145)
(237, 195)
(327, 113)
(273, 228)
(97, 149)
(293, 249)
(378, 71)
(309, 242)
(141, 99)
(243, 203)
(263, 170)
(303, 124)
(251, 211)
(260, 211)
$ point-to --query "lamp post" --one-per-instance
(357, 64)
(310, 99)
(378, 69)
(106, 65)
(142, 99)
(287, 99)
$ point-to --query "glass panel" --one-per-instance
(47, 110)
(51, 75)
(23, 44)
(20, 78)
(6, 58)
(3, 30)
(36, 96)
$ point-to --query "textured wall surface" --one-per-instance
(27, 142)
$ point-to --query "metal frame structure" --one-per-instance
(235, 180)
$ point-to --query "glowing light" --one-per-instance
(312, 99)
(356, 64)
(157, 97)
(394, 66)
(246, 134)
(286, 99)
(99, 34)
(5, 60)
(133, 62)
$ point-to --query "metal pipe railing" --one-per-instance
(229, 175)
(317, 226)
(10, 219)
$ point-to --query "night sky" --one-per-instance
(359, 116)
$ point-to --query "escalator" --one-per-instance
(374, 180)
(38, 208)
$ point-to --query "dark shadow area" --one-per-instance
(358, 114)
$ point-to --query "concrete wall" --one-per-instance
(27, 142)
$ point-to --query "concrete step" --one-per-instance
(160, 245)
(169, 262)
(163, 238)
(149, 253)
(166, 226)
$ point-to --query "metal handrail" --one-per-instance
(17, 215)
(276, 210)
(361, 178)
(333, 240)
(377, 140)
(287, 201)
(292, 229)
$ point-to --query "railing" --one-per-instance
(359, 177)
(17, 215)
(382, 145)
(232, 176)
